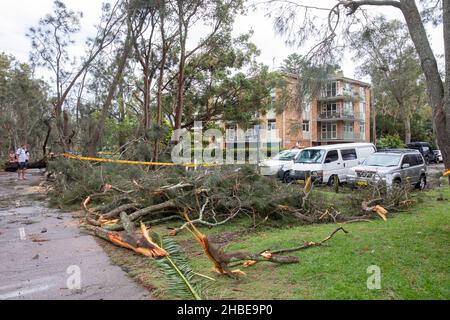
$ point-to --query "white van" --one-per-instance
(326, 162)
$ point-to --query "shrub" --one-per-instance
(391, 142)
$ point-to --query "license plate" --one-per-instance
(362, 183)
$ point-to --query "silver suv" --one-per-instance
(392, 167)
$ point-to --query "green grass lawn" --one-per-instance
(411, 249)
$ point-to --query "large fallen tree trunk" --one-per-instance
(143, 245)
(14, 166)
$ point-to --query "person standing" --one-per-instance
(12, 157)
(22, 159)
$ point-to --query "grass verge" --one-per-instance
(411, 249)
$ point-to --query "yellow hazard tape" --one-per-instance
(447, 173)
(159, 164)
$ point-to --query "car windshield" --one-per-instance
(383, 160)
(286, 156)
(311, 156)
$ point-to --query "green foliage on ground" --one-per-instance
(411, 249)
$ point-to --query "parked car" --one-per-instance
(271, 166)
(438, 155)
(391, 167)
(425, 149)
(326, 162)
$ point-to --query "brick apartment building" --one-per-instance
(340, 114)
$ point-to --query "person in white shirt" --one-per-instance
(22, 157)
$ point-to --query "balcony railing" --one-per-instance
(340, 94)
(338, 115)
(306, 115)
(345, 136)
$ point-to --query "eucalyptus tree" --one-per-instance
(23, 106)
(51, 41)
(218, 14)
(388, 56)
(225, 82)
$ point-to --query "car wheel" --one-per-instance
(287, 178)
(422, 183)
(331, 181)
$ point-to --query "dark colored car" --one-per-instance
(425, 149)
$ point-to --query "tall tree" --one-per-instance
(23, 106)
(388, 56)
(51, 40)
(217, 13)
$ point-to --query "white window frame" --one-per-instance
(347, 126)
(272, 125)
(325, 131)
(306, 126)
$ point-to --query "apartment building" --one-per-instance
(339, 114)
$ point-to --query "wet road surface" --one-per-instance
(43, 255)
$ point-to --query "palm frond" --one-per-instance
(179, 274)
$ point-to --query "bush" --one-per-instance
(391, 142)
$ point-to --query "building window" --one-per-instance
(272, 125)
(362, 93)
(348, 108)
(362, 129)
(362, 110)
(348, 127)
(329, 110)
(305, 126)
(348, 87)
(332, 89)
(329, 131)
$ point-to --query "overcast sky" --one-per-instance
(19, 15)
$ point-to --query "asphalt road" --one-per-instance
(43, 255)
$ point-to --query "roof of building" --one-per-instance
(336, 77)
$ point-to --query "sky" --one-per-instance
(18, 16)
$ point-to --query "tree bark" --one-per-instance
(430, 68)
(407, 123)
(438, 94)
(446, 22)
(98, 132)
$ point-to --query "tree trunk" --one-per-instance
(180, 90)
(147, 80)
(98, 131)
(439, 99)
(407, 123)
(446, 22)
(159, 93)
(182, 29)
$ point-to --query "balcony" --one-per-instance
(346, 95)
(271, 114)
(341, 137)
(338, 115)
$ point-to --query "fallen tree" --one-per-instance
(14, 166)
(210, 197)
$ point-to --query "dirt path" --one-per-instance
(42, 251)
